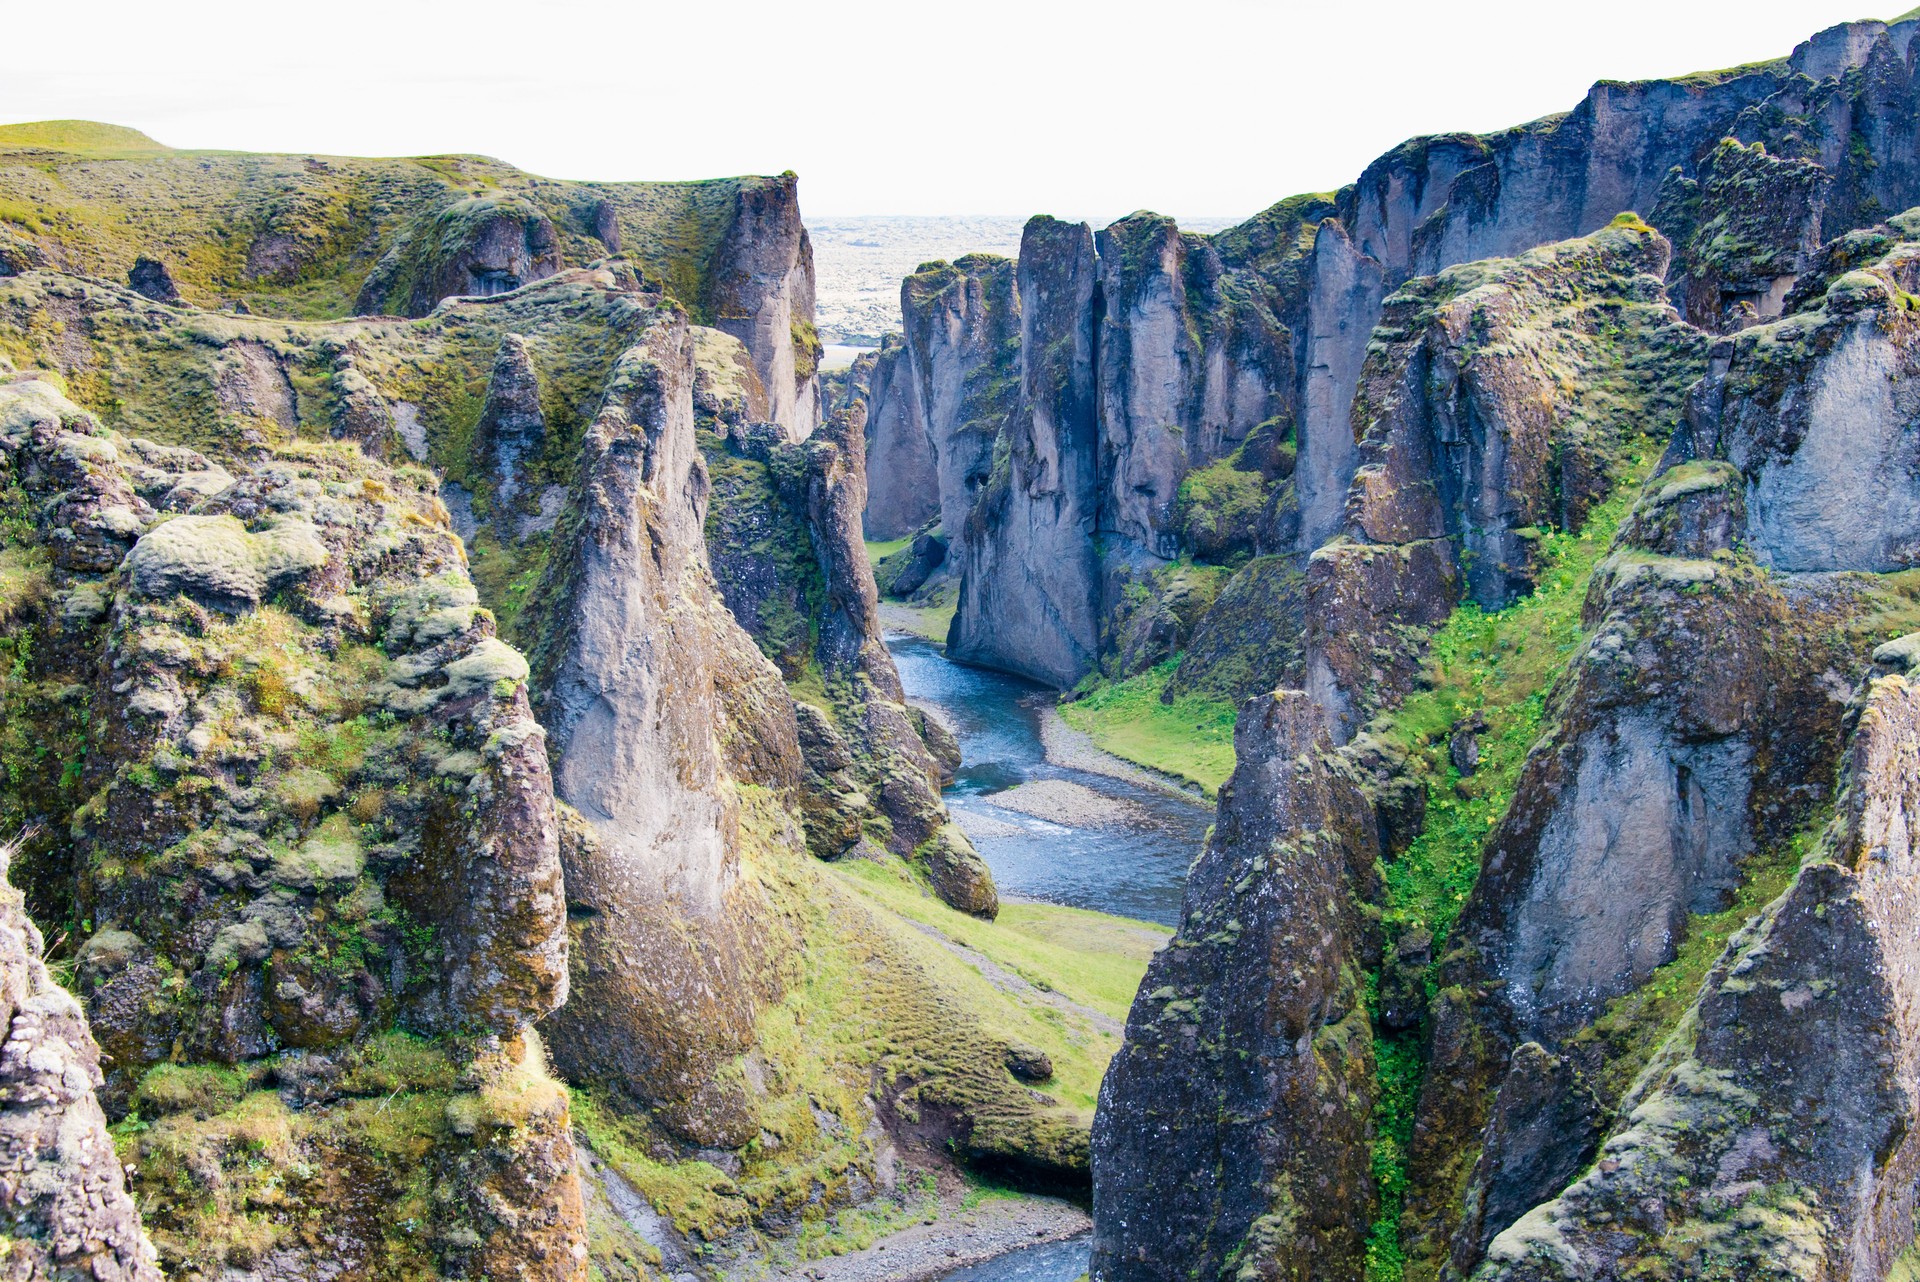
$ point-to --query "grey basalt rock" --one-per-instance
(1774, 1131)
(64, 1208)
(760, 290)
(903, 492)
(1263, 1083)
(1478, 427)
(1030, 582)
(1815, 411)
(962, 330)
(512, 427)
(656, 701)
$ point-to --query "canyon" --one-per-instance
(473, 809)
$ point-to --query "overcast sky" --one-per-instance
(1192, 107)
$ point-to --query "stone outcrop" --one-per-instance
(1204, 343)
(1816, 413)
(658, 705)
(1263, 1083)
(274, 659)
(1773, 1134)
(1030, 581)
(67, 1214)
(480, 246)
(903, 490)
(962, 328)
(759, 288)
(1500, 399)
(512, 429)
(784, 539)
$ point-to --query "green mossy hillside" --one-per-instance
(909, 1002)
(298, 236)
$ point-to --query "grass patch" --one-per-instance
(880, 551)
(931, 620)
(1093, 958)
(1190, 738)
(1500, 664)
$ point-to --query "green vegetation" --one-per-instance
(1500, 664)
(1093, 958)
(218, 1160)
(1190, 738)
(929, 614)
(82, 137)
(900, 990)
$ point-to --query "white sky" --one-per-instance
(1190, 107)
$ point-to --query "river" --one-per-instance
(1128, 857)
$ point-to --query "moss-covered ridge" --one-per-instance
(300, 236)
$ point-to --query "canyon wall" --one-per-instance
(1224, 368)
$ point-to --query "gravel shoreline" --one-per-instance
(1076, 750)
(921, 1252)
(1062, 801)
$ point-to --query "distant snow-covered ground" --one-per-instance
(860, 260)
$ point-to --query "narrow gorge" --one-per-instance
(1378, 743)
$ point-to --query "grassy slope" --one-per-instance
(1191, 738)
(884, 1000)
(116, 195)
(81, 137)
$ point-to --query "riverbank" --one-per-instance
(996, 1227)
(1190, 739)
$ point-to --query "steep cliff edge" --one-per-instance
(1264, 1086)
(68, 1214)
(1596, 781)
(316, 237)
(273, 654)
(1227, 366)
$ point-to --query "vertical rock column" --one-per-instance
(1231, 1137)
(657, 703)
(1030, 585)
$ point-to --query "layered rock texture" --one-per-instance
(68, 1214)
(1222, 371)
(1582, 918)
(383, 726)
(315, 237)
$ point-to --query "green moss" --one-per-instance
(1190, 738)
(1634, 1024)
(1500, 664)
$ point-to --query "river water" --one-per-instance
(1133, 863)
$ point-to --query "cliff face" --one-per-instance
(1267, 1088)
(1226, 366)
(1773, 1130)
(1030, 587)
(1562, 1080)
(68, 1214)
(759, 288)
(783, 535)
(270, 652)
(1499, 400)
(903, 491)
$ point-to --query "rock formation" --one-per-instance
(903, 490)
(1254, 339)
(68, 1215)
(1030, 587)
(1265, 1085)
